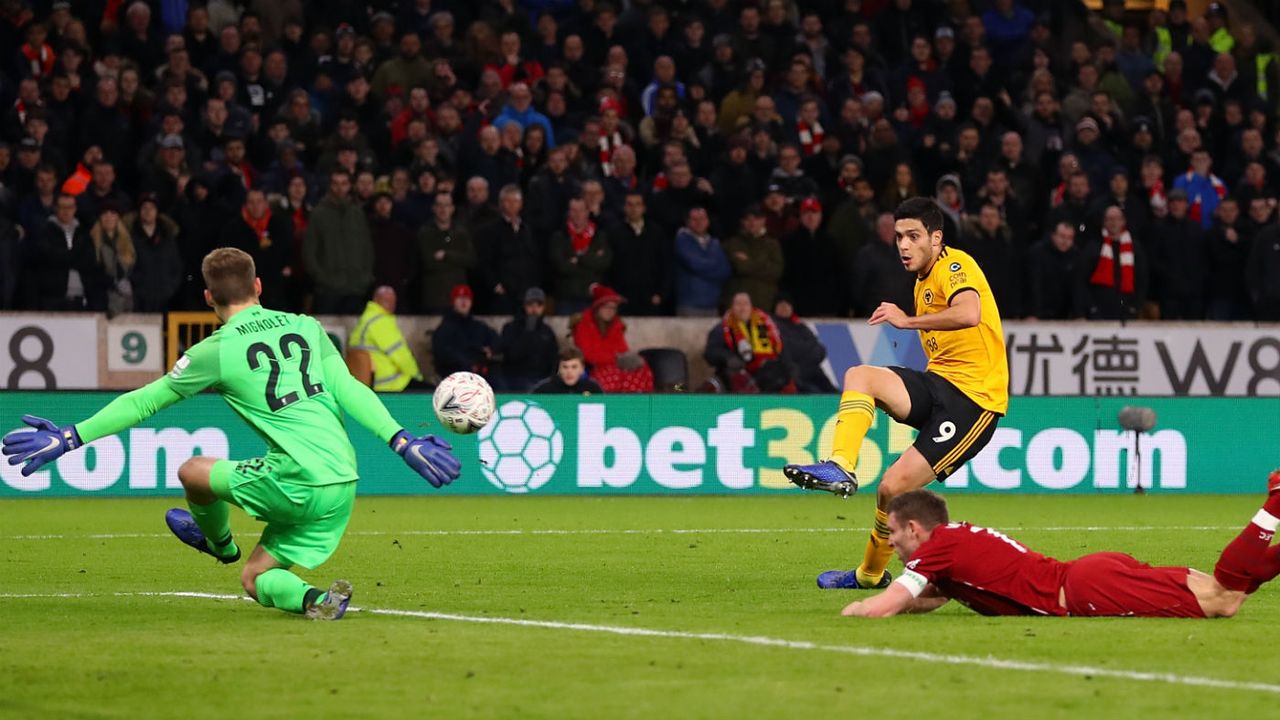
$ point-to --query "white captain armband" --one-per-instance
(913, 581)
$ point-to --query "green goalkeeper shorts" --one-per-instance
(304, 522)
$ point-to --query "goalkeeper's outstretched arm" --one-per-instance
(128, 410)
(42, 441)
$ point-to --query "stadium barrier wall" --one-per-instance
(693, 445)
(48, 351)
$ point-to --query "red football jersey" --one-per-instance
(987, 571)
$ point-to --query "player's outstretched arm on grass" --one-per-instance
(895, 600)
(43, 442)
(429, 456)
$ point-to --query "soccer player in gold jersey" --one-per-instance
(954, 404)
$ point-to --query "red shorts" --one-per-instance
(1115, 584)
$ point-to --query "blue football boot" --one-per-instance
(185, 528)
(826, 476)
(848, 580)
(333, 605)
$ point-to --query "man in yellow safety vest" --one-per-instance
(394, 366)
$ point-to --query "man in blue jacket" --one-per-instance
(519, 108)
(701, 267)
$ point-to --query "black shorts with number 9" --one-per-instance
(953, 428)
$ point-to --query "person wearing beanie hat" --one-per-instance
(601, 336)
(801, 348)
(461, 342)
(528, 345)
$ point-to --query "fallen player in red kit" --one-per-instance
(994, 574)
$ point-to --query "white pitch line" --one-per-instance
(988, 662)
(639, 531)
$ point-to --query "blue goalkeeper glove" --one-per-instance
(429, 456)
(40, 444)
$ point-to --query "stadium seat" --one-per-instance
(670, 369)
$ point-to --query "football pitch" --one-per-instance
(545, 607)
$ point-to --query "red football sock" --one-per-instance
(1245, 558)
(1265, 570)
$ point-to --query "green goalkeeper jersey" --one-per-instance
(280, 373)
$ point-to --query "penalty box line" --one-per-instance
(988, 662)
(634, 531)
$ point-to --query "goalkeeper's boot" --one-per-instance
(842, 580)
(1273, 482)
(333, 604)
(185, 528)
(826, 476)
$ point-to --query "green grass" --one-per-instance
(108, 656)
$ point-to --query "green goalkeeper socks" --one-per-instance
(279, 588)
(214, 520)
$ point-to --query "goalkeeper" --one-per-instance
(283, 376)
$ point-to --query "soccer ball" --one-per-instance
(521, 448)
(463, 402)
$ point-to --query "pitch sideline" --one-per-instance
(989, 662)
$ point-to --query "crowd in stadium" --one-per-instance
(678, 152)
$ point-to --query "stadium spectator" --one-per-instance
(601, 336)
(789, 175)
(878, 273)
(801, 349)
(756, 259)
(1178, 252)
(407, 70)
(338, 251)
(642, 259)
(445, 254)
(461, 342)
(549, 192)
(395, 249)
(580, 255)
(509, 257)
(701, 267)
(1136, 210)
(570, 377)
(9, 265)
(779, 217)
(1118, 269)
(391, 363)
(527, 345)
(101, 191)
(1263, 268)
(811, 277)
(1204, 189)
(37, 206)
(157, 272)
(745, 348)
(736, 185)
(1055, 282)
(1227, 254)
(987, 238)
(198, 105)
(62, 269)
(519, 109)
(267, 237)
